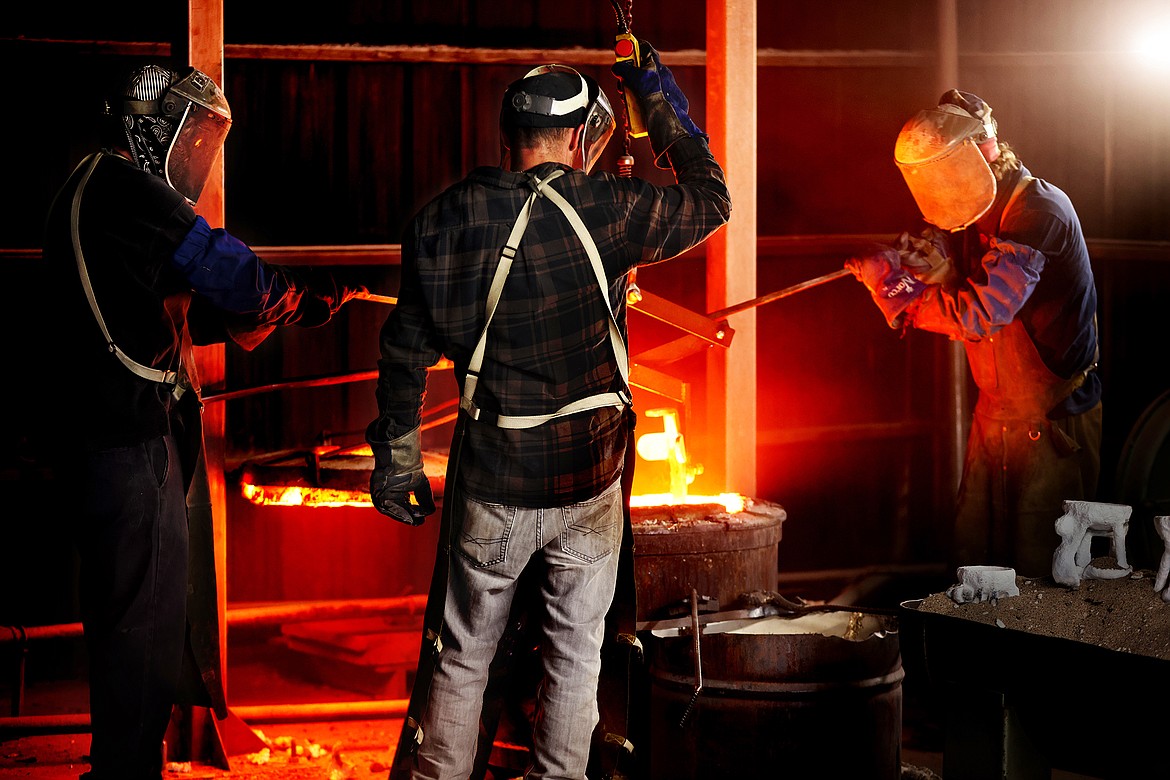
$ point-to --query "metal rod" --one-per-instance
(26, 634)
(291, 612)
(347, 52)
(308, 712)
(318, 381)
(321, 711)
(313, 381)
(778, 294)
(239, 617)
(74, 723)
(368, 296)
(688, 344)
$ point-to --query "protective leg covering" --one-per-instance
(1020, 466)
(201, 683)
(612, 756)
(411, 736)
(133, 545)
(1016, 477)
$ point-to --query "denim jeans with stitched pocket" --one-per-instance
(492, 544)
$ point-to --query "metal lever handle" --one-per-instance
(696, 646)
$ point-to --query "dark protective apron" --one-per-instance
(611, 750)
(1021, 466)
(201, 683)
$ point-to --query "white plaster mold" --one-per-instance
(983, 583)
(1077, 527)
(1162, 526)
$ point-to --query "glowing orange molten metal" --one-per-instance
(734, 502)
(304, 496)
(294, 495)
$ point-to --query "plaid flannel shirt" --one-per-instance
(548, 343)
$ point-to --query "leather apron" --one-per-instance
(1020, 466)
(201, 683)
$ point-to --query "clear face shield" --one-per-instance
(939, 158)
(599, 126)
(599, 118)
(202, 118)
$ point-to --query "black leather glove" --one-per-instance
(398, 486)
(405, 497)
(892, 288)
(664, 106)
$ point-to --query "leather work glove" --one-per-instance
(927, 256)
(318, 294)
(892, 288)
(664, 106)
(398, 486)
(304, 297)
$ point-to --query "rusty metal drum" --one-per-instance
(819, 695)
(718, 553)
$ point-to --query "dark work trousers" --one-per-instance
(132, 540)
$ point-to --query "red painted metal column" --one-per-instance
(731, 253)
(205, 52)
(199, 42)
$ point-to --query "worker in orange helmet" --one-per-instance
(1003, 268)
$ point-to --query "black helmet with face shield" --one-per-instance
(559, 96)
(173, 125)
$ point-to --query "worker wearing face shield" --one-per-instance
(141, 279)
(518, 274)
(1002, 267)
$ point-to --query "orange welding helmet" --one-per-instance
(938, 152)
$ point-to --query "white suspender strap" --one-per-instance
(615, 334)
(620, 400)
(146, 372)
(507, 254)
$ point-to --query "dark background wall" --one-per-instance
(334, 150)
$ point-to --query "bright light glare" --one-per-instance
(1152, 46)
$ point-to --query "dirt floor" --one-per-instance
(340, 749)
(323, 751)
(353, 750)
(264, 673)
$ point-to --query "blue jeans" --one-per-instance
(491, 545)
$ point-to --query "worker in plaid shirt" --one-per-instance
(518, 274)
